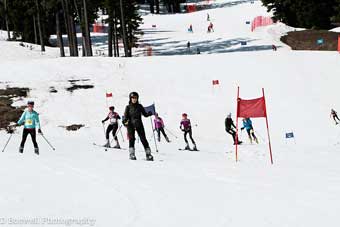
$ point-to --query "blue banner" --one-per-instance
(151, 109)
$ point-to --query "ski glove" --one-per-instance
(39, 131)
(125, 122)
(150, 113)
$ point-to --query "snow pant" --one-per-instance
(141, 133)
(251, 133)
(113, 128)
(159, 130)
(233, 133)
(190, 135)
(33, 134)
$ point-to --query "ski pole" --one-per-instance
(260, 136)
(104, 129)
(120, 130)
(7, 142)
(48, 142)
(117, 134)
(171, 133)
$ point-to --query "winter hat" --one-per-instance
(112, 108)
(229, 115)
(133, 94)
(184, 115)
(30, 103)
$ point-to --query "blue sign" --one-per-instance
(289, 135)
(320, 41)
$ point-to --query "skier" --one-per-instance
(248, 125)
(185, 122)
(198, 51)
(190, 29)
(230, 128)
(334, 114)
(113, 118)
(208, 17)
(159, 127)
(188, 46)
(30, 120)
(133, 122)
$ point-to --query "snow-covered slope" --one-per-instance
(205, 188)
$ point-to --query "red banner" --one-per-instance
(215, 82)
(108, 95)
(260, 21)
(251, 108)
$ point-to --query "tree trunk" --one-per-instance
(157, 6)
(152, 6)
(35, 30)
(67, 25)
(39, 27)
(59, 35)
(110, 33)
(87, 31)
(74, 36)
(115, 35)
(6, 19)
(125, 41)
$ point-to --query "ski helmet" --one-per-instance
(112, 108)
(30, 103)
(229, 115)
(133, 94)
(184, 115)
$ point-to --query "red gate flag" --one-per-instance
(251, 108)
(254, 108)
(215, 82)
(108, 95)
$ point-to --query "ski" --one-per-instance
(181, 149)
(98, 145)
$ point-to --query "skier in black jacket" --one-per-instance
(230, 128)
(133, 121)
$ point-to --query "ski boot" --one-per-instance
(187, 147)
(159, 139)
(149, 156)
(36, 151)
(107, 143)
(21, 150)
(167, 139)
(256, 140)
(132, 153)
(117, 146)
(194, 148)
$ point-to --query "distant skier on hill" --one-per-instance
(30, 120)
(230, 128)
(185, 126)
(335, 117)
(113, 118)
(159, 127)
(133, 121)
(248, 125)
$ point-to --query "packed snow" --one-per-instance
(82, 182)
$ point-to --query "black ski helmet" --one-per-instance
(112, 108)
(133, 94)
(30, 103)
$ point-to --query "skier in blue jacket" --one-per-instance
(248, 125)
(30, 120)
